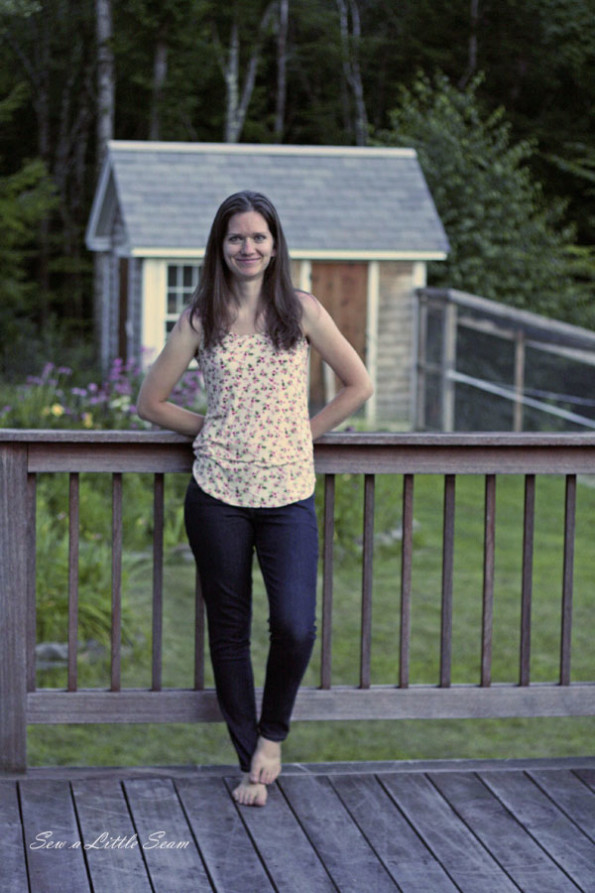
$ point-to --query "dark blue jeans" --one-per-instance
(223, 539)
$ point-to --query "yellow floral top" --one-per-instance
(255, 446)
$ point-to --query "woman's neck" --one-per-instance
(248, 293)
(248, 311)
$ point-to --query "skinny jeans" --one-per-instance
(223, 539)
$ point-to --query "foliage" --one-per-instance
(26, 197)
(507, 242)
(94, 584)
(94, 552)
(52, 400)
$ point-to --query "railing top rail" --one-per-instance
(347, 452)
(348, 438)
(544, 328)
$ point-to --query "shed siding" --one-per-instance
(394, 360)
(154, 286)
(113, 307)
(118, 250)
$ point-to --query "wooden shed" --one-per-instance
(360, 223)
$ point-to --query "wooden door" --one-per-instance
(342, 289)
(123, 309)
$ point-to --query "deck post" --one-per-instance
(13, 604)
(449, 360)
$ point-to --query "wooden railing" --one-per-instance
(25, 454)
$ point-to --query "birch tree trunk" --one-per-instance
(472, 56)
(237, 101)
(351, 70)
(231, 73)
(106, 79)
(106, 89)
(159, 76)
(281, 69)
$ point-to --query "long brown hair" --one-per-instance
(213, 299)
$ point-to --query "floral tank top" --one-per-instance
(255, 447)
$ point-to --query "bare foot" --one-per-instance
(266, 761)
(249, 794)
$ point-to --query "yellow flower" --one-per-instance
(87, 420)
(57, 409)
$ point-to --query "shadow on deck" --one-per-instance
(473, 826)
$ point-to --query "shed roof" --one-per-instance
(334, 202)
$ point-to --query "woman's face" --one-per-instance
(248, 245)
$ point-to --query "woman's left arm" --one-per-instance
(323, 334)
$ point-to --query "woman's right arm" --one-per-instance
(153, 400)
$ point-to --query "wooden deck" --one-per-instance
(477, 827)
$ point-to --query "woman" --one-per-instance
(253, 476)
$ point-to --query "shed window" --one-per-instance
(182, 280)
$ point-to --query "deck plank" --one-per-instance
(52, 839)
(570, 795)
(404, 855)
(112, 847)
(223, 841)
(295, 868)
(468, 863)
(509, 843)
(160, 820)
(587, 776)
(13, 872)
(474, 826)
(346, 854)
(551, 828)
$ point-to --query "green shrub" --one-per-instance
(53, 399)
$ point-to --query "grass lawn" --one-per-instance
(378, 740)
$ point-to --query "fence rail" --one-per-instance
(26, 454)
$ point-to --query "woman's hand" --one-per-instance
(319, 327)
(153, 400)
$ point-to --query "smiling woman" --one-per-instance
(249, 246)
(253, 479)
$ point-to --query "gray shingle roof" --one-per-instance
(331, 200)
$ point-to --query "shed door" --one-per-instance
(342, 289)
(123, 309)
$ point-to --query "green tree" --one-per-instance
(26, 197)
(507, 242)
(50, 46)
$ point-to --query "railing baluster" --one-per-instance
(116, 581)
(406, 565)
(527, 579)
(199, 637)
(158, 515)
(327, 581)
(31, 621)
(487, 622)
(567, 578)
(73, 578)
(13, 618)
(447, 579)
(367, 568)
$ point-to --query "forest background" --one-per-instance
(497, 96)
